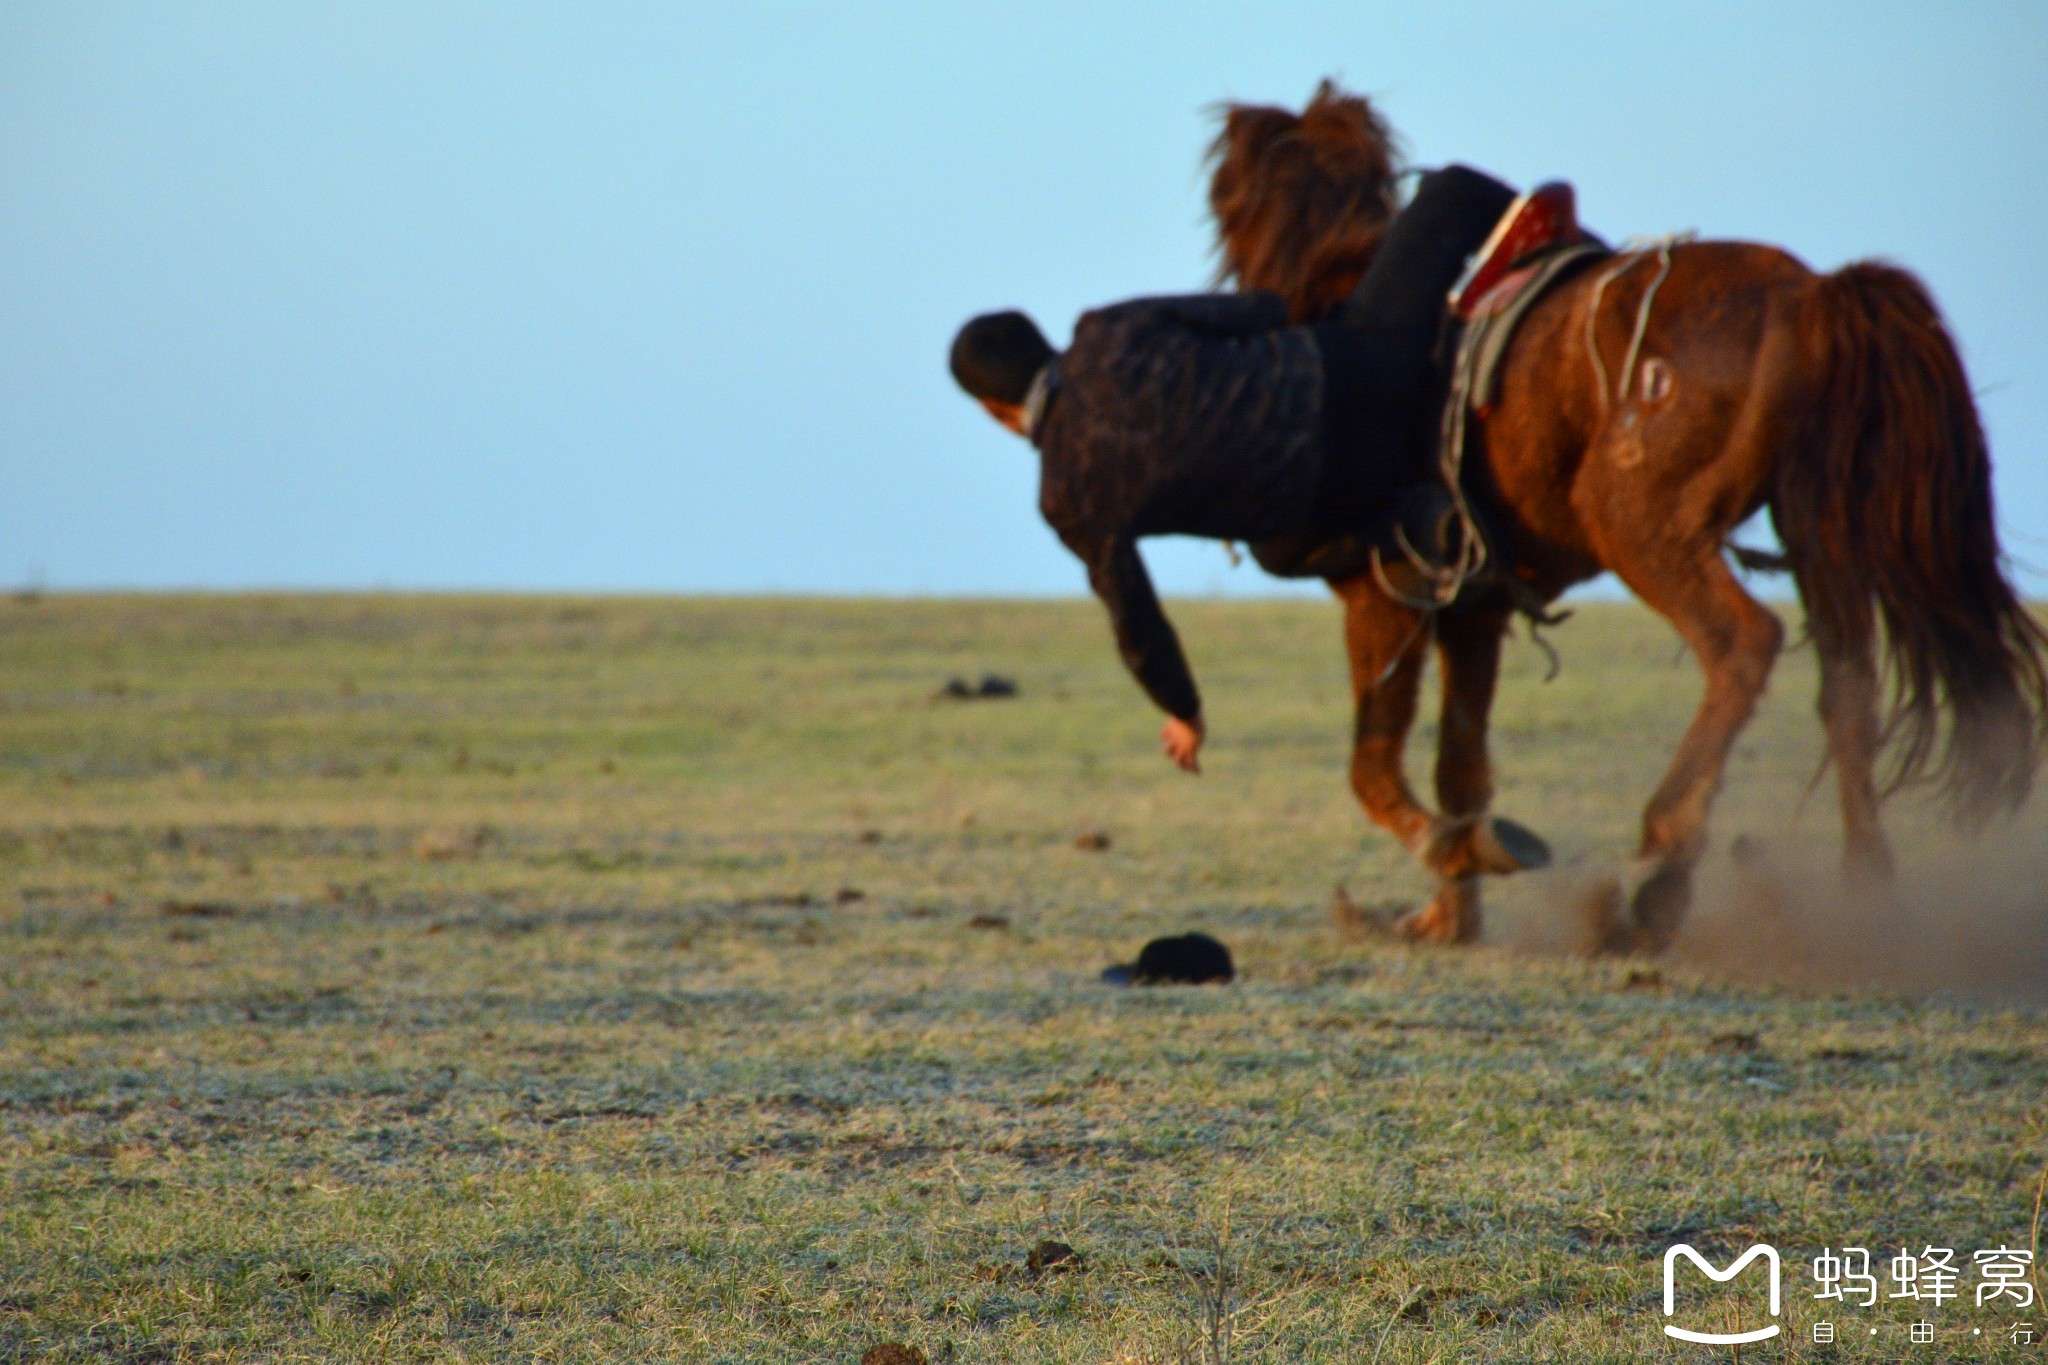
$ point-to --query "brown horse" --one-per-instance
(1838, 401)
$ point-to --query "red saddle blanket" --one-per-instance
(1545, 217)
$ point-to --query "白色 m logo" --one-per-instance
(1768, 1254)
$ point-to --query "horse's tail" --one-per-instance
(1885, 512)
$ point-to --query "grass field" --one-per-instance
(500, 978)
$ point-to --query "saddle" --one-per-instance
(1535, 244)
(1541, 221)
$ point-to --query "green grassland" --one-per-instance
(635, 979)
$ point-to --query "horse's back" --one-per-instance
(1621, 394)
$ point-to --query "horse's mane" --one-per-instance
(1301, 200)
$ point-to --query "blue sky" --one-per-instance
(657, 297)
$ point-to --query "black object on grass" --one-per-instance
(892, 1353)
(1054, 1256)
(993, 686)
(1183, 959)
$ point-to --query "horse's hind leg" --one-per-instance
(1736, 641)
(1848, 709)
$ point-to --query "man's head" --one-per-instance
(995, 357)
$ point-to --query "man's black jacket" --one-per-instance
(1210, 415)
(1188, 416)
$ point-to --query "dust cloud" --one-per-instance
(1964, 916)
(1968, 917)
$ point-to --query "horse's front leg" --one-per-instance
(1466, 842)
(1385, 643)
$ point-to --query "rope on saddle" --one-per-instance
(1632, 253)
(1445, 582)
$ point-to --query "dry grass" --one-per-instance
(481, 979)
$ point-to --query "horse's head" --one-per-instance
(1301, 200)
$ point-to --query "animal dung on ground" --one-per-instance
(1092, 841)
(1052, 1256)
(1185, 959)
(847, 895)
(989, 922)
(893, 1353)
(780, 900)
(440, 845)
(992, 687)
(197, 909)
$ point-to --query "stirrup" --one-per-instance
(1421, 527)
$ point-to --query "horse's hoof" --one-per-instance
(1607, 932)
(1427, 925)
(1638, 912)
(1451, 917)
(1658, 894)
(1475, 844)
(1504, 846)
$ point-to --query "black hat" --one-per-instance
(1184, 959)
(997, 355)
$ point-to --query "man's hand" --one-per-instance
(1183, 742)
